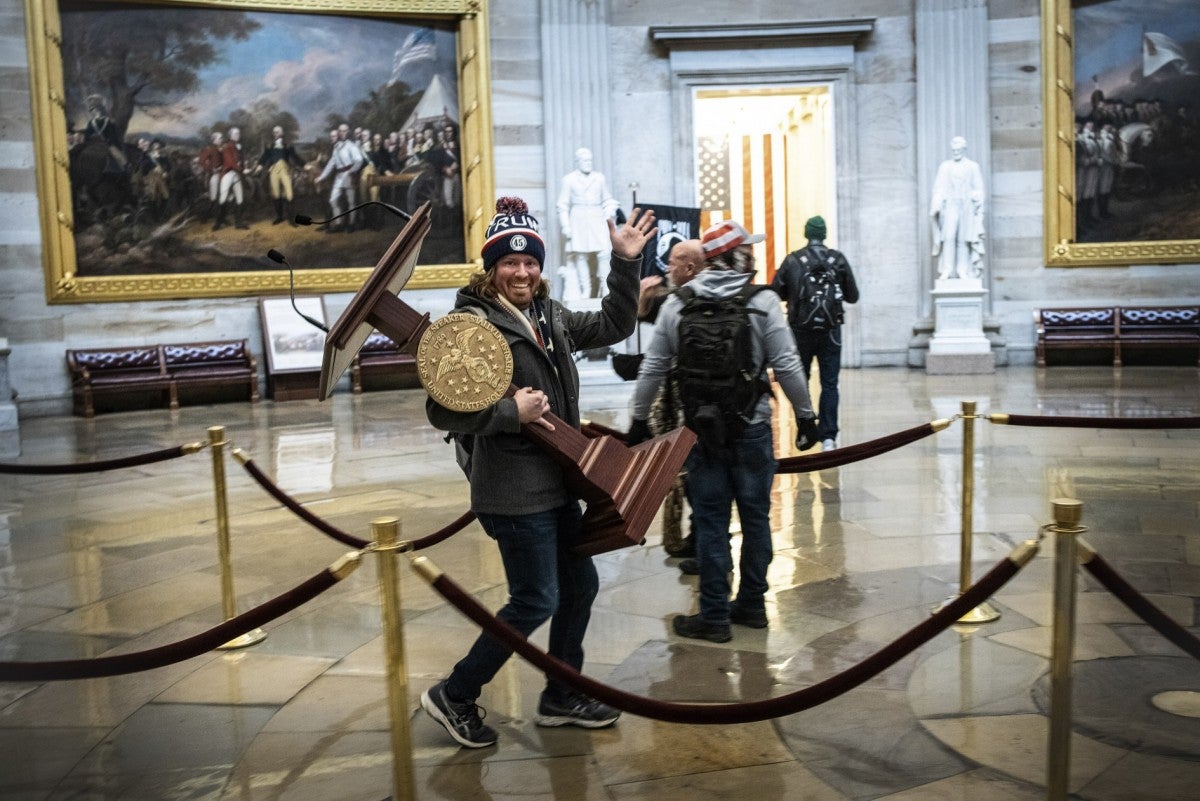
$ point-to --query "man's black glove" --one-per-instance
(639, 431)
(806, 432)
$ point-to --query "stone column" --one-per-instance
(10, 434)
(575, 88)
(952, 100)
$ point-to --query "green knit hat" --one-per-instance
(815, 227)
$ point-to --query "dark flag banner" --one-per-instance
(675, 223)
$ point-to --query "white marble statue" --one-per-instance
(584, 206)
(956, 210)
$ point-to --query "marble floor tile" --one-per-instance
(977, 785)
(125, 561)
(1015, 745)
(1139, 776)
(779, 780)
(247, 678)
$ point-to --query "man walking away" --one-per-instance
(815, 281)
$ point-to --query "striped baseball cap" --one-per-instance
(726, 235)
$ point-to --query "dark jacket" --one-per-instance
(789, 278)
(509, 474)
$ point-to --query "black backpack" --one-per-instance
(718, 381)
(816, 303)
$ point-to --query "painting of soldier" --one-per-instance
(194, 132)
(1137, 132)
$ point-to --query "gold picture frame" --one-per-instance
(458, 26)
(1061, 99)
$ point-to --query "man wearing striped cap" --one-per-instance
(734, 460)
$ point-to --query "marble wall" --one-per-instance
(883, 245)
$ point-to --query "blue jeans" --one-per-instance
(826, 347)
(546, 581)
(714, 483)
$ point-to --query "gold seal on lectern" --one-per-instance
(464, 363)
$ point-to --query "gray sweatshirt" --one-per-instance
(772, 342)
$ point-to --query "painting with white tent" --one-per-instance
(1137, 120)
(217, 129)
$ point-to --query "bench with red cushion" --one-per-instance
(380, 364)
(1150, 334)
(140, 376)
(115, 373)
(1151, 329)
(213, 365)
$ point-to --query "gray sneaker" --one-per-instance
(462, 720)
(574, 709)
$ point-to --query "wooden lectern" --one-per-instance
(622, 487)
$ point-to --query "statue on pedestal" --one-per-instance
(584, 207)
(956, 210)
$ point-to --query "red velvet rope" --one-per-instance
(1141, 606)
(298, 510)
(853, 453)
(749, 711)
(95, 467)
(1100, 422)
(316, 522)
(818, 461)
(443, 533)
(175, 652)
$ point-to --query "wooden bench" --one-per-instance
(380, 364)
(118, 373)
(1149, 333)
(1071, 329)
(151, 376)
(1157, 330)
(197, 367)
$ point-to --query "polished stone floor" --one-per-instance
(122, 561)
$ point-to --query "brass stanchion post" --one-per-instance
(985, 612)
(216, 440)
(1067, 514)
(385, 533)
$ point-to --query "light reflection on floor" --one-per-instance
(119, 562)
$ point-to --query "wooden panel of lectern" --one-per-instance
(622, 487)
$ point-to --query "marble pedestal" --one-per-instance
(959, 346)
(10, 434)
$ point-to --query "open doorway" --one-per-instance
(765, 156)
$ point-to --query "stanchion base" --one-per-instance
(984, 613)
(252, 637)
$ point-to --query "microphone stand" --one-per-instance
(276, 256)
(304, 219)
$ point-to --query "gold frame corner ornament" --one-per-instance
(63, 284)
(1058, 149)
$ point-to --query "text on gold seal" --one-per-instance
(464, 363)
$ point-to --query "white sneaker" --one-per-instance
(828, 444)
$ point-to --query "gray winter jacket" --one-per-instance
(772, 345)
(509, 474)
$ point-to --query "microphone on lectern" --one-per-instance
(277, 257)
(304, 219)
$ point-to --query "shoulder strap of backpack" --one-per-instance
(744, 294)
(819, 256)
(748, 291)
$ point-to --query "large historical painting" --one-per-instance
(1123, 131)
(194, 135)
